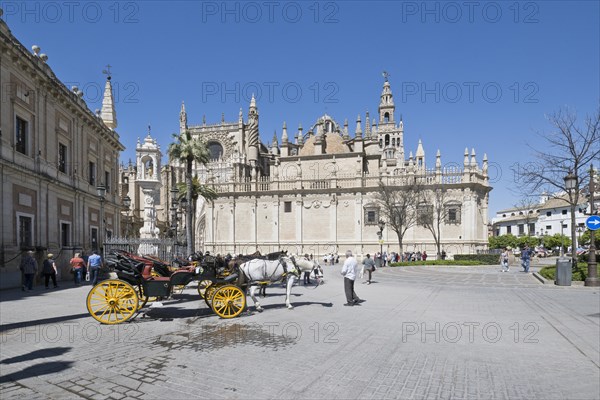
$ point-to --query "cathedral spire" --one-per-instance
(252, 131)
(300, 135)
(367, 126)
(108, 114)
(358, 132)
(275, 145)
(386, 104)
(284, 135)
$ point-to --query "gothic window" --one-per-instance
(452, 213)
(371, 214)
(215, 149)
(22, 135)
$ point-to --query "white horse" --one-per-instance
(259, 271)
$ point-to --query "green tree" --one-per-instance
(198, 190)
(188, 150)
(502, 241)
(530, 241)
(557, 240)
(585, 238)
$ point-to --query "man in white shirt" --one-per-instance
(349, 272)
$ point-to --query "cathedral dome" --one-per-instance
(333, 144)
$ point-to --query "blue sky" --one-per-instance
(481, 75)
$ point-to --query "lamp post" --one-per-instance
(570, 185)
(381, 225)
(127, 204)
(580, 230)
(592, 276)
(173, 210)
(101, 191)
(562, 238)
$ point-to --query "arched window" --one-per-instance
(215, 149)
(386, 117)
(387, 140)
(393, 141)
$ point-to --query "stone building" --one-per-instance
(54, 155)
(314, 191)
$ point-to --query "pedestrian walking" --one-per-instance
(307, 274)
(349, 272)
(94, 264)
(424, 255)
(504, 260)
(77, 266)
(28, 267)
(369, 267)
(526, 258)
(49, 270)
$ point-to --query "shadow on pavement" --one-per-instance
(57, 351)
(17, 325)
(37, 370)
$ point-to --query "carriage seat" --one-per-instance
(147, 275)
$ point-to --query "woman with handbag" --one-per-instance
(49, 270)
(369, 267)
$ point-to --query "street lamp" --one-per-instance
(381, 225)
(101, 191)
(571, 184)
(127, 204)
(580, 230)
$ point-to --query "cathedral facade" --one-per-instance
(316, 191)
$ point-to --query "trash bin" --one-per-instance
(564, 272)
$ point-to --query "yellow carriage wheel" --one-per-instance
(228, 301)
(210, 292)
(202, 286)
(112, 301)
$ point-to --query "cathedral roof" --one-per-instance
(333, 144)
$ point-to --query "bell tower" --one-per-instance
(386, 105)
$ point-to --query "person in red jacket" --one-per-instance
(77, 265)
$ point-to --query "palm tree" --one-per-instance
(187, 150)
(198, 190)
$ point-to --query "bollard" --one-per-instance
(564, 272)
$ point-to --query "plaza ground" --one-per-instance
(423, 332)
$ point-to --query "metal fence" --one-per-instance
(165, 249)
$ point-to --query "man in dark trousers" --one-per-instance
(349, 272)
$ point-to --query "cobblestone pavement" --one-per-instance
(424, 332)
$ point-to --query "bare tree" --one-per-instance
(527, 205)
(398, 207)
(567, 149)
(432, 212)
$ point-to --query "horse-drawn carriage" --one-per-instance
(223, 287)
(117, 300)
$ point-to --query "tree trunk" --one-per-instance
(189, 211)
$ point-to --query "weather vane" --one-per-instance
(107, 71)
(149, 128)
(385, 75)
